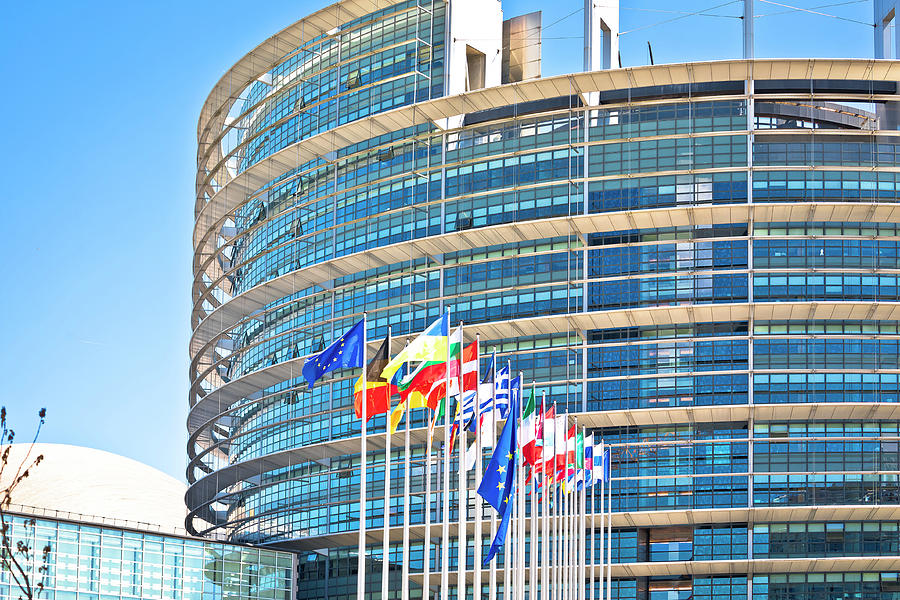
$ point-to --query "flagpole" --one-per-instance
(426, 568)
(602, 519)
(386, 535)
(573, 511)
(521, 497)
(556, 499)
(476, 593)
(533, 540)
(564, 564)
(507, 554)
(593, 554)
(492, 592)
(609, 534)
(533, 537)
(462, 540)
(514, 557)
(576, 522)
(445, 496)
(363, 450)
(582, 545)
(404, 583)
(545, 491)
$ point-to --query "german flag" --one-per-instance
(378, 390)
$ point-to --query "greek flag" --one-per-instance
(501, 392)
(467, 412)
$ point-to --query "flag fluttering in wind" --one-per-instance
(530, 434)
(498, 483)
(429, 351)
(578, 475)
(559, 470)
(468, 372)
(502, 389)
(346, 352)
(548, 453)
(589, 460)
(569, 468)
(378, 389)
(429, 347)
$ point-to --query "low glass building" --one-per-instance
(698, 260)
(91, 562)
(113, 530)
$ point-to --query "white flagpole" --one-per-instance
(507, 553)
(386, 536)
(582, 531)
(363, 450)
(462, 540)
(556, 498)
(476, 587)
(567, 509)
(520, 495)
(476, 594)
(533, 536)
(545, 495)
(426, 571)
(445, 520)
(609, 535)
(602, 522)
(570, 528)
(561, 517)
(404, 583)
(492, 592)
(593, 553)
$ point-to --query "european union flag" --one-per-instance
(498, 483)
(346, 352)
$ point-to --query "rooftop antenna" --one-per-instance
(650, 50)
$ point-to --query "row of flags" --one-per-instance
(437, 371)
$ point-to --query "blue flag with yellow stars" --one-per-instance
(346, 352)
(498, 484)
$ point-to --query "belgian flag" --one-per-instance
(378, 389)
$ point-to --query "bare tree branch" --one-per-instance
(16, 553)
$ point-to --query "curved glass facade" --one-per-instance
(705, 272)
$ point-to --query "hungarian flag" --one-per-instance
(378, 389)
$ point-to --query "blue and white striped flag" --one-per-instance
(501, 392)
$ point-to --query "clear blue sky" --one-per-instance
(100, 103)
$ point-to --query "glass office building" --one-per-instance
(88, 561)
(701, 261)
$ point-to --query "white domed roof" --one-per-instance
(94, 483)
